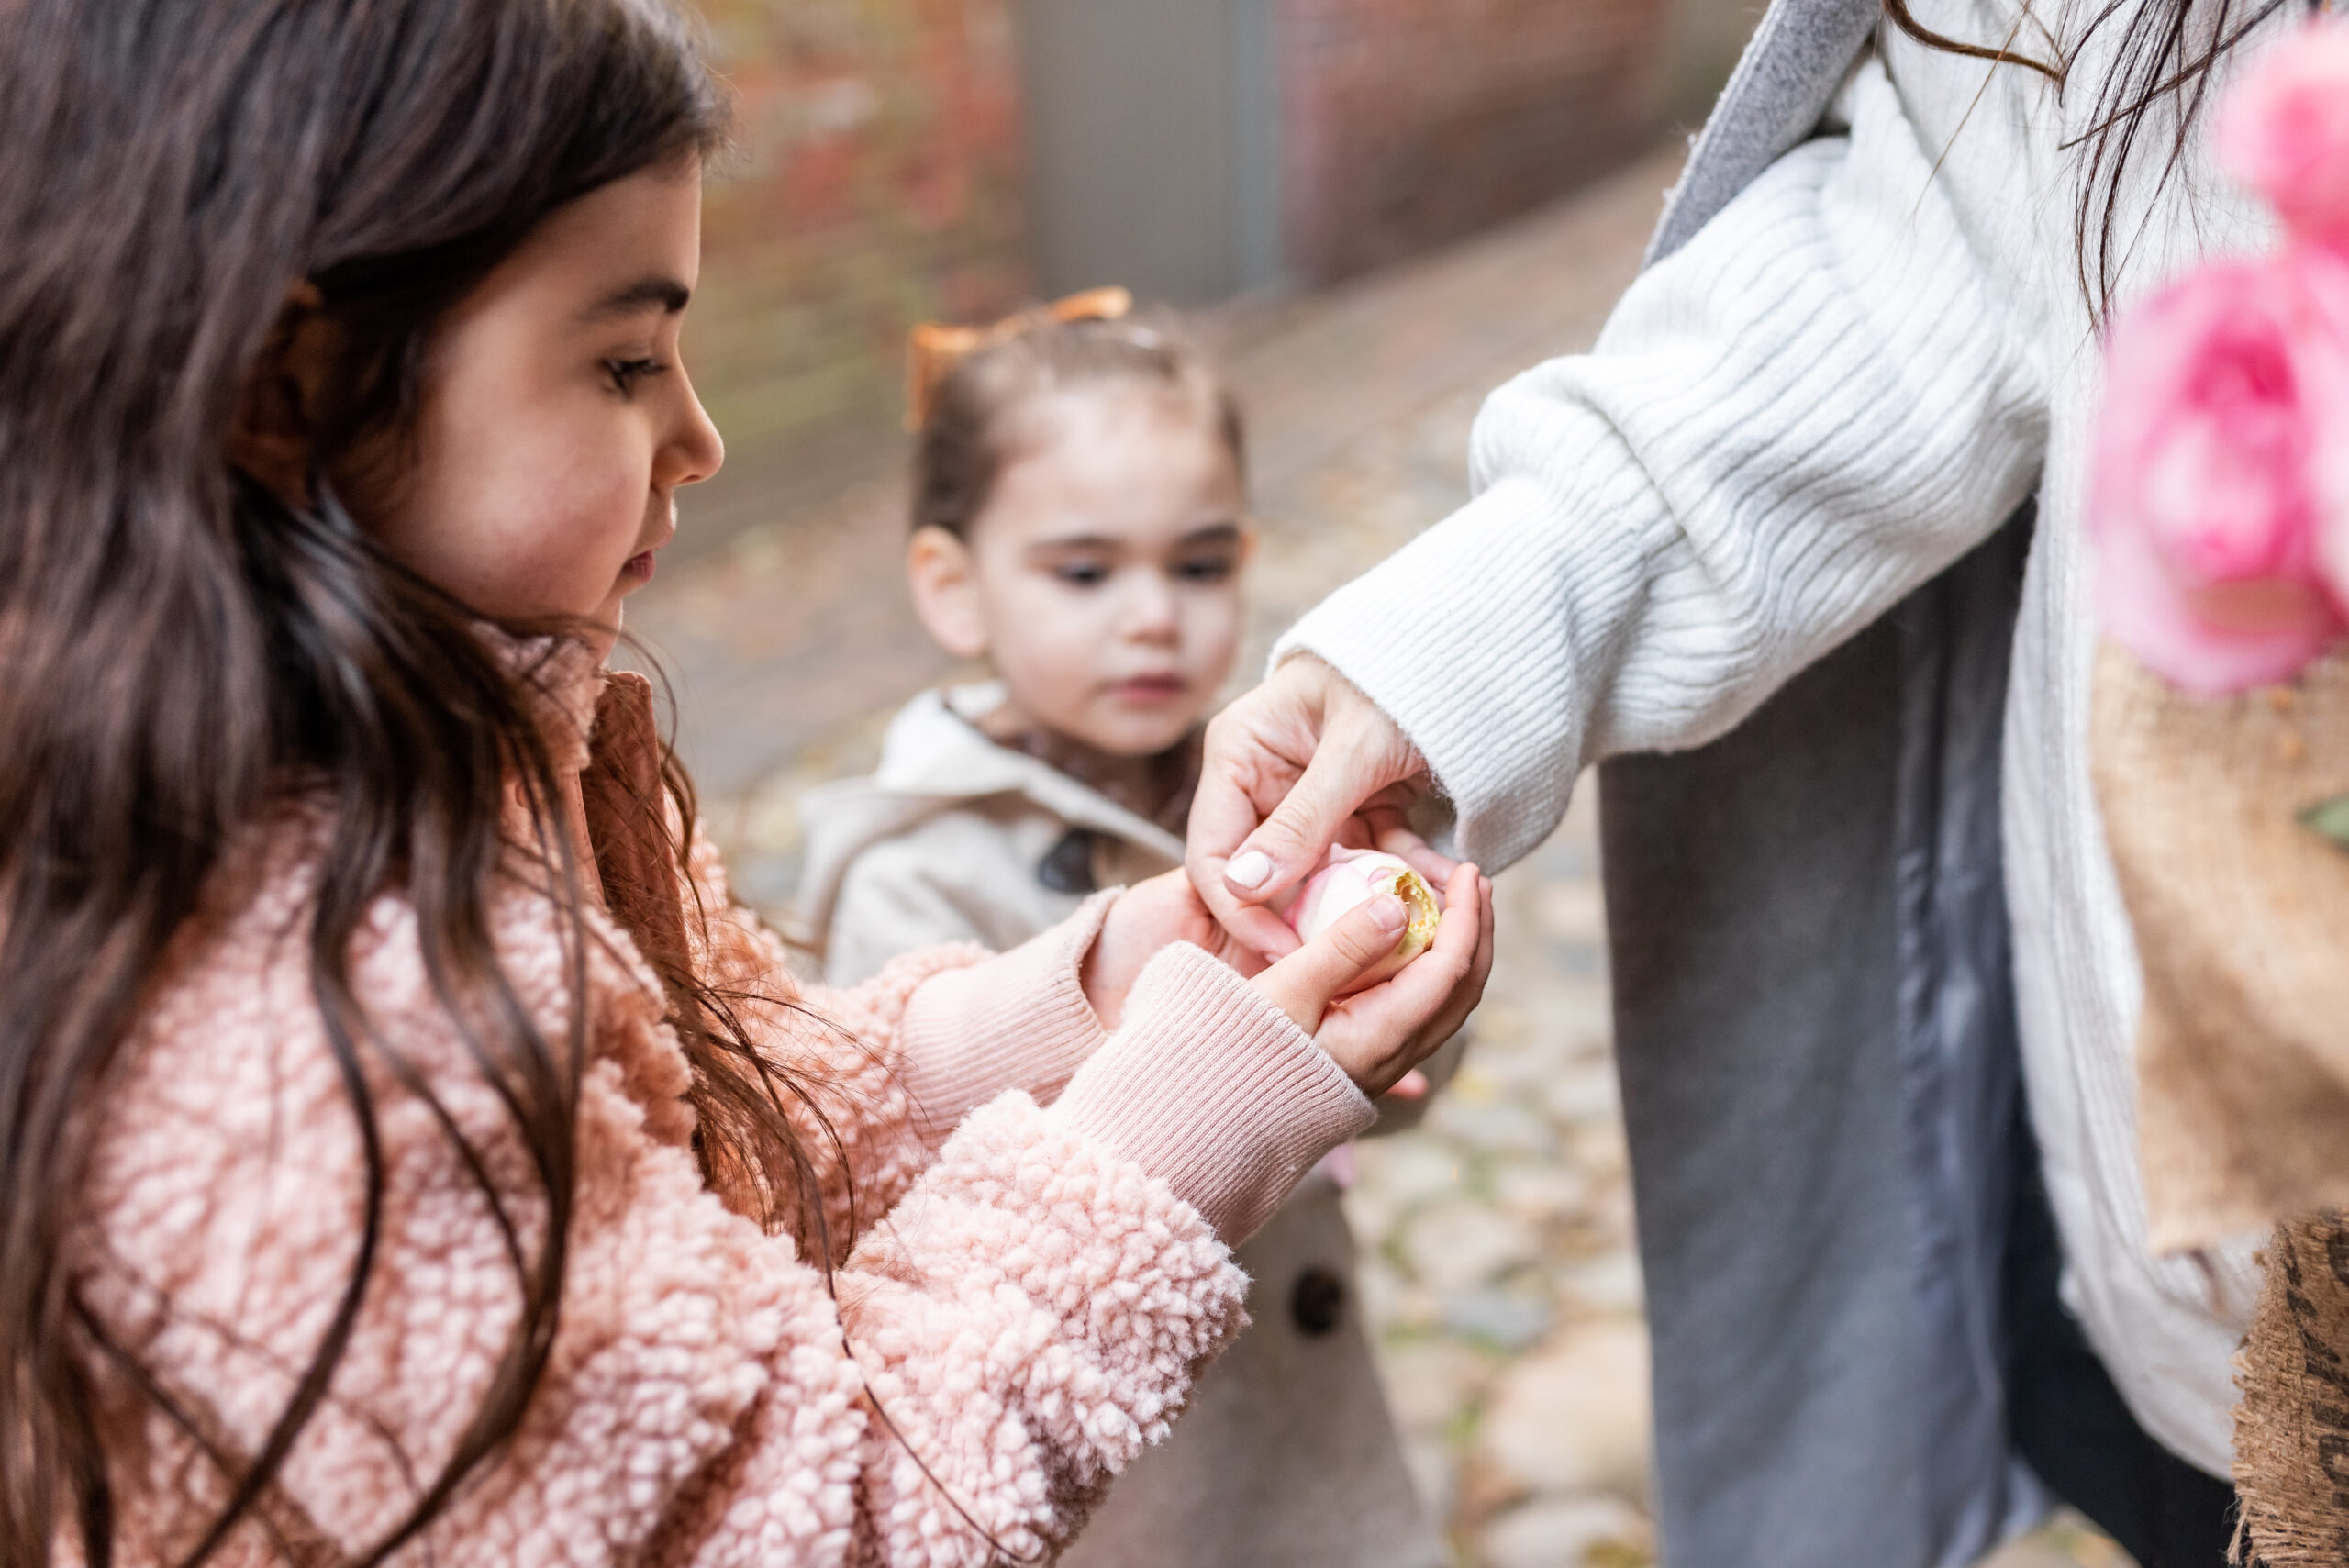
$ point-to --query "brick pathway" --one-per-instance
(1497, 1264)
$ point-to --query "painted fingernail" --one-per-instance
(1387, 912)
(1253, 869)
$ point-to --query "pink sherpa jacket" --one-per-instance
(1039, 1268)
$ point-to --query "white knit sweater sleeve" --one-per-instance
(1810, 409)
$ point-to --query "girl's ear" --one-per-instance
(276, 413)
(945, 582)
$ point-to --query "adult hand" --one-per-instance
(1382, 1032)
(1303, 762)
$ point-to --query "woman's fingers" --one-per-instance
(1303, 983)
(1388, 833)
(1255, 750)
(1286, 769)
(1290, 842)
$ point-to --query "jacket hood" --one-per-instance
(935, 758)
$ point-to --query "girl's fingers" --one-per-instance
(1411, 1085)
(1453, 958)
(1378, 1034)
(1469, 986)
(1470, 989)
(1424, 986)
(1303, 983)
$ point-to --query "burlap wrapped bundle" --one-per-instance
(2242, 916)
(2292, 1427)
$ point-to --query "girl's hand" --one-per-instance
(1147, 916)
(1379, 1034)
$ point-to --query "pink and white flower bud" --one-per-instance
(1349, 877)
(2283, 131)
(2217, 468)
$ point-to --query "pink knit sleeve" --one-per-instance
(1034, 1311)
(1019, 1020)
(957, 1026)
(882, 1072)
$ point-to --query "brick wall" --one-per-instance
(1409, 122)
(881, 179)
(878, 183)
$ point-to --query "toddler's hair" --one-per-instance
(975, 414)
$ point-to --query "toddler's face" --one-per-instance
(1102, 578)
(556, 422)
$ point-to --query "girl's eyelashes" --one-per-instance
(626, 373)
(1206, 569)
(1198, 571)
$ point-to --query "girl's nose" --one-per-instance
(1150, 608)
(694, 450)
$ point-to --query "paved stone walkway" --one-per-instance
(1498, 1268)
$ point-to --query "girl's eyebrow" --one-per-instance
(665, 294)
(1075, 541)
(1225, 532)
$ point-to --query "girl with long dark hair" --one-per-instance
(407, 1150)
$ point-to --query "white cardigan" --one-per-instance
(1847, 380)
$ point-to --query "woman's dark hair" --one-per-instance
(181, 649)
(974, 416)
(2152, 99)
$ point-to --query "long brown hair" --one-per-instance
(178, 642)
(2150, 100)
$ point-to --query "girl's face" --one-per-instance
(1102, 578)
(556, 422)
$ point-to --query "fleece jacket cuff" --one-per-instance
(1210, 1087)
(1018, 1020)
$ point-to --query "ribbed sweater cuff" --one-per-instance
(1018, 1020)
(1210, 1087)
(1461, 639)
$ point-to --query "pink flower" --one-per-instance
(2209, 489)
(2333, 537)
(2283, 131)
(1349, 877)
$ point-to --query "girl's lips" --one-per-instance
(640, 566)
(1149, 688)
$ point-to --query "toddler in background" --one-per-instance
(1080, 523)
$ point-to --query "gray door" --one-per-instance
(1154, 145)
